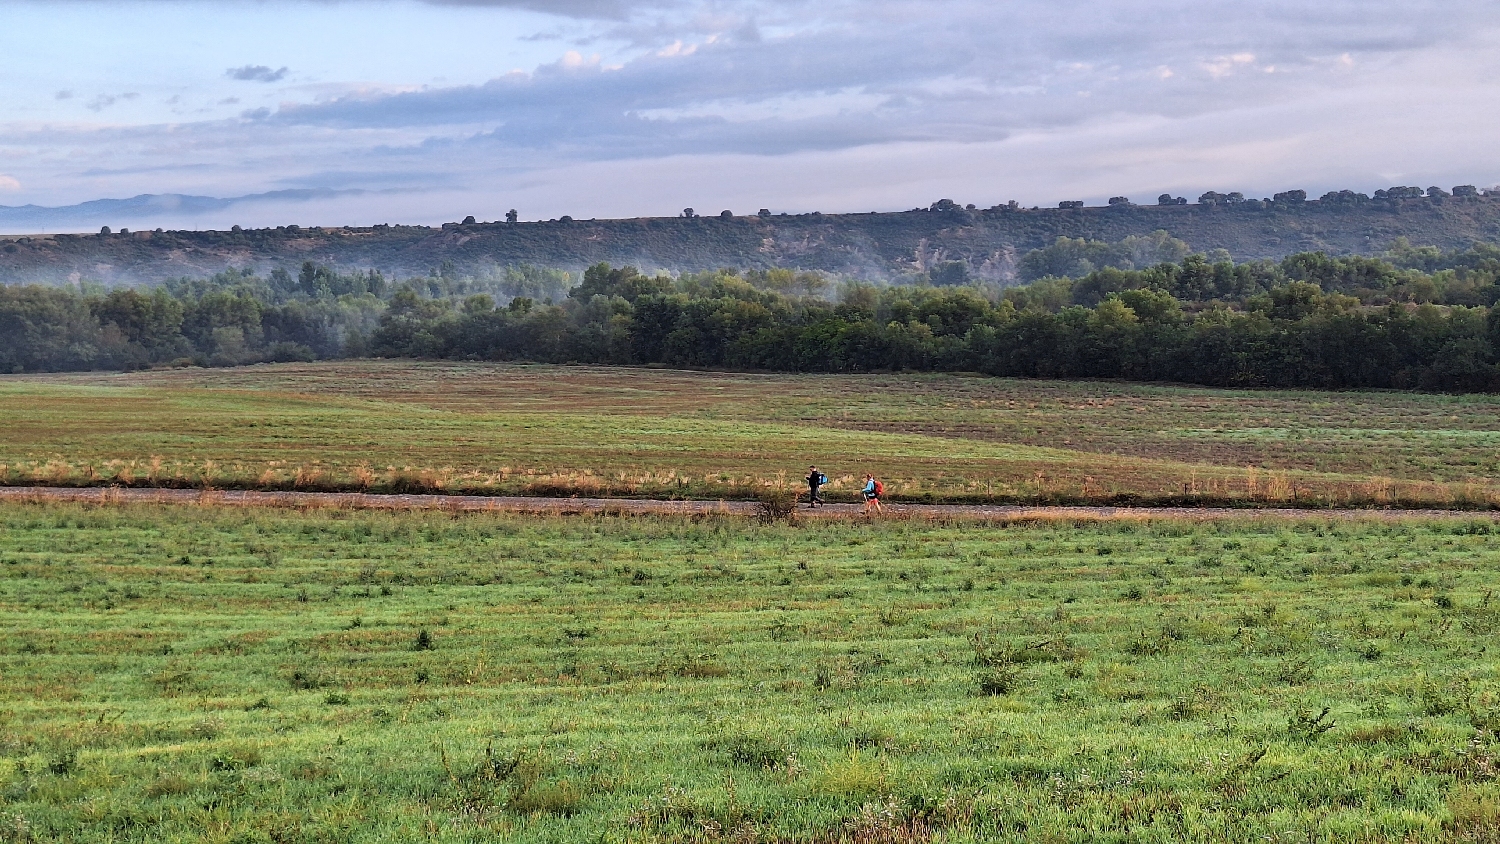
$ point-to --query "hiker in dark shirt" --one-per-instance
(814, 480)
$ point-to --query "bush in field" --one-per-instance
(777, 505)
(999, 680)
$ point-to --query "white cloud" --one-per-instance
(676, 48)
(574, 60)
(9, 183)
(1225, 65)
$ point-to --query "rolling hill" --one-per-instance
(872, 245)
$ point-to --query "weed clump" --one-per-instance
(1443, 699)
(750, 751)
(992, 654)
(304, 679)
(169, 785)
(1304, 725)
(206, 728)
(516, 784)
(407, 482)
(1195, 703)
(887, 822)
(695, 666)
(1293, 671)
(561, 798)
(1474, 814)
(776, 505)
(63, 763)
(999, 681)
(234, 759)
(1148, 645)
(855, 775)
(1382, 733)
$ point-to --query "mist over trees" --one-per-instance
(234, 317)
(1074, 257)
(976, 244)
(1142, 308)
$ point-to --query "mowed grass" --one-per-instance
(501, 428)
(201, 675)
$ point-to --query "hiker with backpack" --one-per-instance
(873, 490)
(814, 479)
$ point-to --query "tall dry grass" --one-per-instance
(1200, 486)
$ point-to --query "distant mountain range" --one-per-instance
(988, 242)
(144, 207)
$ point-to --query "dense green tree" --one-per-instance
(1421, 320)
(949, 274)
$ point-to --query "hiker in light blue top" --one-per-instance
(873, 490)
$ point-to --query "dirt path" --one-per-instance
(625, 506)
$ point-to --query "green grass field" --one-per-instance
(389, 425)
(202, 675)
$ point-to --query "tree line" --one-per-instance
(1414, 318)
(234, 317)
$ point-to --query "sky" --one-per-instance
(425, 111)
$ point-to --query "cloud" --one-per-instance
(595, 9)
(1223, 66)
(9, 183)
(103, 101)
(582, 9)
(896, 70)
(154, 168)
(890, 95)
(256, 73)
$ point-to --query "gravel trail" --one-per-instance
(630, 506)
